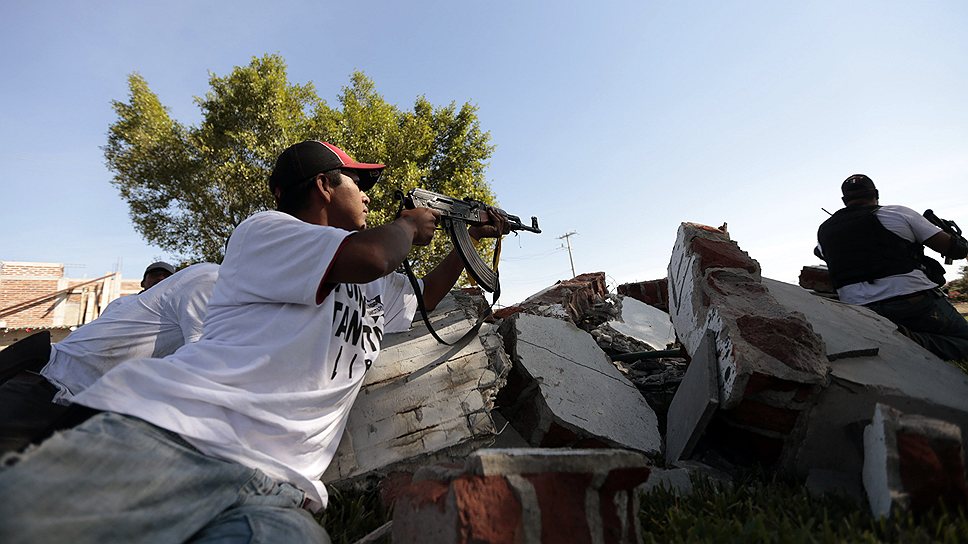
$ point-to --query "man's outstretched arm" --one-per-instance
(950, 246)
(373, 253)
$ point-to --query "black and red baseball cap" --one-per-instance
(304, 160)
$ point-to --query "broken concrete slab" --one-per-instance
(564, 391)
(901, 373)
(644, 323)
(525, 495)
(444, 412)
(912, 462)
(714, 285)
(770, 360)
(694, 404)
(847, 330)
(637, 328)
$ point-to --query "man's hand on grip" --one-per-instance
(424, 221)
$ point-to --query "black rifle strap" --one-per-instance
(420, 303)
(457, 345)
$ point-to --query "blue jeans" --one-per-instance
(930, 320)
(116, 478)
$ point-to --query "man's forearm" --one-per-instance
(373, 253)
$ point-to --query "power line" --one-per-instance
(567, 237)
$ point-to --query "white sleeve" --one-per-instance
(191, 303)
(273, 257)
(907, 223)
(399, 303)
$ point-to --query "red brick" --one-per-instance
(488, 510)
(654, 292)
(722, 254)
(932, 470)
(789, 339)
(562, 509)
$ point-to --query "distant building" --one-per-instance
(37, 296)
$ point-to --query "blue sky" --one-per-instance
(615, 120)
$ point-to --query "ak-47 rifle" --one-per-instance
(455, 216)
(946, 225)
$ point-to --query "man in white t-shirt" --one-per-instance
(232, 433)
(153, 323)
(32, 353)
(875, 255)
(155, 273)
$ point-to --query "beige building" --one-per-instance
(37, 296)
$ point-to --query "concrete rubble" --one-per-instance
(715, 366)
(555, 392)
(871, 363)
(443, 413)
(696, 400)
(770, 362)
(644, 323)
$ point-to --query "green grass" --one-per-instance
(963, 365)
(752, 511)
(770, 511)
(353, 514)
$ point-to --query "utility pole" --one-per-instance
(566, 237)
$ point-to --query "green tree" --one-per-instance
(187, 187)
(958, 289)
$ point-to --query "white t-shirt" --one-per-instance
(270, 383)
(911, 226)
(153, 323)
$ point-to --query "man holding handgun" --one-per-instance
(228, 438)
(875, 255)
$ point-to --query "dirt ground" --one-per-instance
(962, 308)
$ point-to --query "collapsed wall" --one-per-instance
(414, 407)
(769, 361)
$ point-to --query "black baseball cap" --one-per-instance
(160, 265)
(858, 186)
(304, 160)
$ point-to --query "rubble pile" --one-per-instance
(715, 365)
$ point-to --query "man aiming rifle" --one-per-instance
(227, 440)
(875, 255)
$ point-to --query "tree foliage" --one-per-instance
(958, 289)
(187, 187)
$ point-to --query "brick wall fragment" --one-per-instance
(912, 463)
(524, 495)
(653, 292)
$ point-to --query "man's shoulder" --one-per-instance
(197, 277)
(899, 215)
(199, 271)
(897, 209)
(264, 217)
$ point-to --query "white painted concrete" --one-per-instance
(645, 323)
